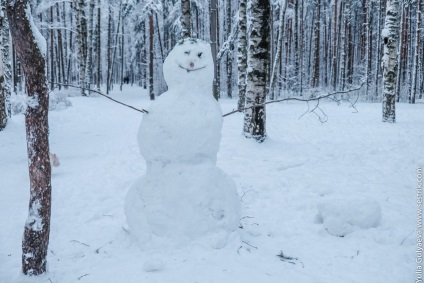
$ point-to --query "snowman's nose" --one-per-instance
(191, 64)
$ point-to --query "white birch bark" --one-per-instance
(390, 35)
(6, 88)
(242, 53)
(258, 62)
(185, 19)
(278, 56)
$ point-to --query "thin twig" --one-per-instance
(250, 245)
(80, 243)
(318, 98)
(401, 243)
(79, 278)
(108, 97)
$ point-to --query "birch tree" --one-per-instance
(242, 53)
(390, 35)
(90, 43)
(258, 62)
(81, 22)
(31, 48)
(416, 64)
(6, 67)
(214, 45)
(185, 19)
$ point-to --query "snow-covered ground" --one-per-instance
(354, 176)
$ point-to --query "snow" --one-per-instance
(281, 184)
(343, 216)
(190, 62)
(39, 38)
(184, 197)
(154, 264)
(34, 220)
(385, 33)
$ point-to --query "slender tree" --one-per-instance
(6, 80)
(258, 62)
(214, 45)
(242, 53)
(278, 56)
(90, 45)
(317, 33)
(98, 43)
(229, 59)
(31, 49)
(416, 52)
(151, 52)
(185, 19)
(390, 36)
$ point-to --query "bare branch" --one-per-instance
(331, 95)
(108, 97)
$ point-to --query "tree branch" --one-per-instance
(318, 98)
(102, 94)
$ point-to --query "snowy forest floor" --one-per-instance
(280, 182)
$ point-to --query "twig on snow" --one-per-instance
(75, 241)
(108, 97)
(79, 278)
(331, 95)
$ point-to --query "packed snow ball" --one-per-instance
(184, 197)
(343, 216)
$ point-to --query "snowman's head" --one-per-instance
(190, 65)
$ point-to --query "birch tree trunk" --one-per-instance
(416, 54)
(81, 22)
(151, 61)
(99, 47)
(6, 65)
(258, 62)
(31, 50)
(317, 33)
(242, 53)
(3, 112)
(390, 35)
(185, 19)
(109, 47)
(229, 61)
(90, 43)
(214, 45)
(278, 56)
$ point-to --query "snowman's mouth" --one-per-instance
(191, 70)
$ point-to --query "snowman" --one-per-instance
(183, 198)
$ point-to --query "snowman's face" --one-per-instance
(189, 64)
(192, 60)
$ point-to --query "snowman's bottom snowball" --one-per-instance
(182, 204)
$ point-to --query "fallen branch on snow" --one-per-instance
(108, 97)
(331, 96)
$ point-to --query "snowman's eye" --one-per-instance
(187, 53)
(200, 54)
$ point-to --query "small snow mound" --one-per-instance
(343, 216)
(154, 264)
(21, 278)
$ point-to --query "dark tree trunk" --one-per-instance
(109, 46)
(151, 51)
(317, 31)
(214, 45)
(32, 55)
(99, 70)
